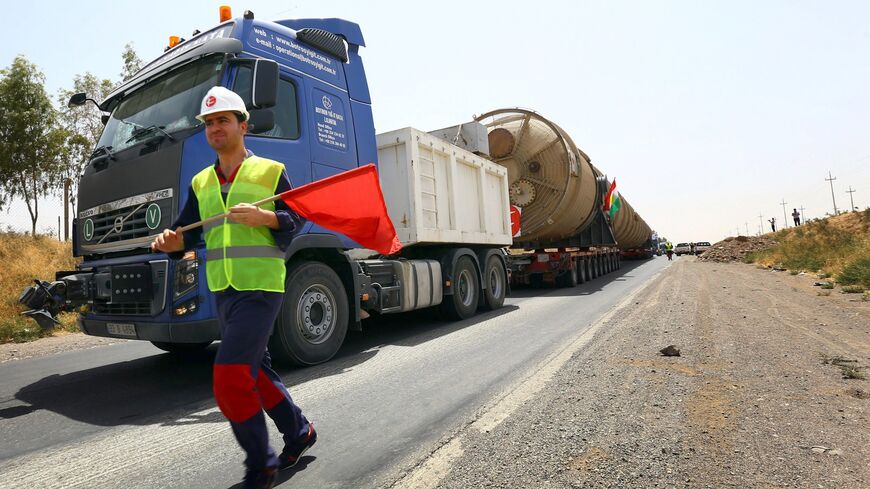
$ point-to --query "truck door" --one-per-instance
(333, 145)
(285, 142)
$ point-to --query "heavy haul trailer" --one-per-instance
(304, 83)
(564, 237)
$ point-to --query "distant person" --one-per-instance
(797, 217)
(772, 222)
(669, 250)
(691, 248)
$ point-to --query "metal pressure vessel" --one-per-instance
(629, 229)
(552, 180)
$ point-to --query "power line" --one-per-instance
(831, 180)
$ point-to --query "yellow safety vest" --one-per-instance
(240, 256)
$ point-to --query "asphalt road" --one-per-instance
(128, 415)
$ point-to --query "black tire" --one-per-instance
(496, 284)
(181, 348)
(462, 304)
(568, 278)
(313, 320)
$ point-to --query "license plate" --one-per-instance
(121, 329)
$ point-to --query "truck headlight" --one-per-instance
(186, 274)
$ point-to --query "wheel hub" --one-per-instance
(315, 314)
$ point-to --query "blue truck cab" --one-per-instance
(305, 86)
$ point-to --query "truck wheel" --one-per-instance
(466, 291)
(181, 348)
(312, 323)
(568, 278)
(496, 284)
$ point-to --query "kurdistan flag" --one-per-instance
(611, 200)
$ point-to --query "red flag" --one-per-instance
(608, 195)
(350, 203)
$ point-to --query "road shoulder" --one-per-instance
(752, 401)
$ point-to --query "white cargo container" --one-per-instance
(438, 193)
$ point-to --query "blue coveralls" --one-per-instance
(244, 383)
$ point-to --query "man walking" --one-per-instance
(772, 222)
(245, 269)
(797, 217)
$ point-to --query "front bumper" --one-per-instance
(187, 332)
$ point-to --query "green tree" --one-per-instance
(31, 143)
(132, 62)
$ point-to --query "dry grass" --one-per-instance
(838, 246)
(25, 258)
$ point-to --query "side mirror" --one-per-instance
(260, 121)
(264, 89)
(77, 99)
(104, 119)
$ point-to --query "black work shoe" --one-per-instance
(291, 454)
(260, 478)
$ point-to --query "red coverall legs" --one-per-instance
(244, 382)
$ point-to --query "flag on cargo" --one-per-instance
(350, 203)
(611, 200)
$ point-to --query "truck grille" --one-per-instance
(127, 309)
(109, 229)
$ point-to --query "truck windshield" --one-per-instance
(169, 103)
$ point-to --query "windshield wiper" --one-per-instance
(143, 131)
(101, 156)
(103, 150)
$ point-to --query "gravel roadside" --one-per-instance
(61, 342)
(748, 403)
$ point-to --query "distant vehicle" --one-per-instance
(683, 249)
(701, 246)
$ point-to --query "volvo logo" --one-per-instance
(119, 225)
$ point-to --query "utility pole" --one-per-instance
(760, 224)
(746, 224)
(851, 201)
(803, 216)
(784, 218)
(831, 180)
(66, 188)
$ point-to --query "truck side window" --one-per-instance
(286, 109)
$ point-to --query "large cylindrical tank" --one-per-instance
(629, 229)
(552, 180)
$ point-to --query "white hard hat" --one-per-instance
(220, 99)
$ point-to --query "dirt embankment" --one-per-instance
(765, 393)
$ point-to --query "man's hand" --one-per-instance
(168, 241)
(251, 215)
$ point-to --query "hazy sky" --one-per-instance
(706, 113)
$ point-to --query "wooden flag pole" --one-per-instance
(222, 216)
